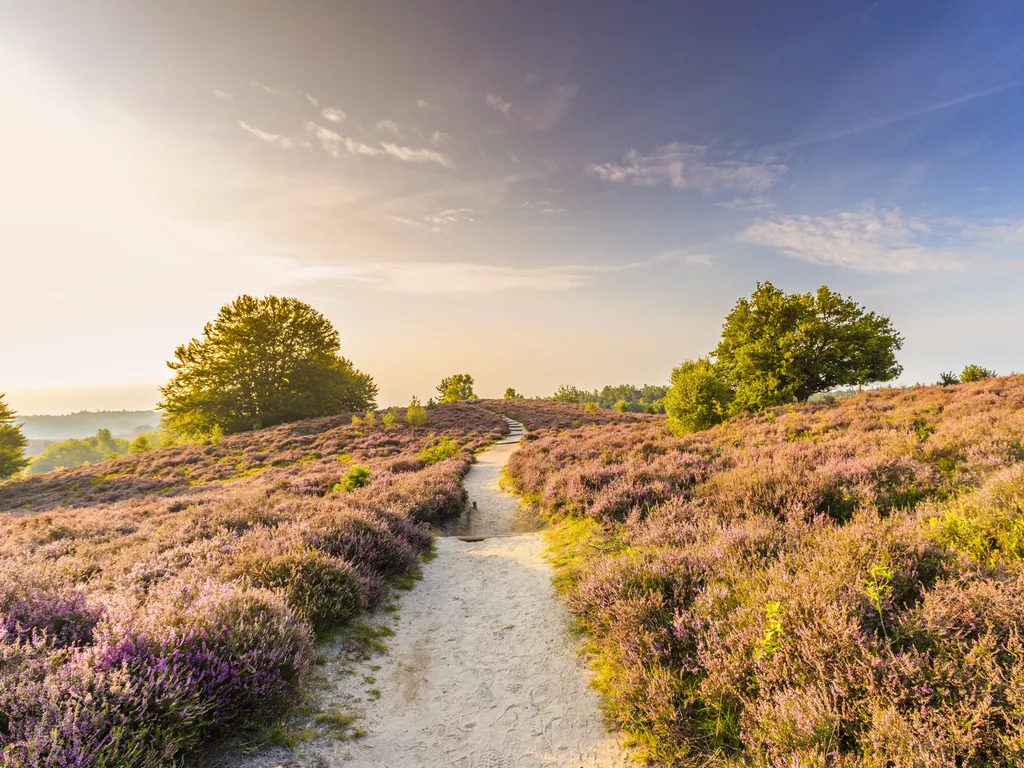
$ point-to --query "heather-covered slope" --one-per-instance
(176, 596)
(829, 584)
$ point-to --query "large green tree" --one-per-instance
(777, 347)
(456, 387)
(12, 443)
(262, 362)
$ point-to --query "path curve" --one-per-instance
(482, 671)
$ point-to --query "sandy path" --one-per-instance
(482, 672)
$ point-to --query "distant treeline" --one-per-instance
(103, 445)
(86, 423)
(625, 397)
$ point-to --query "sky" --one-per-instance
(535, 193)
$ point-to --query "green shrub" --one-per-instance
(972, 373)
(590, 407)
(370, 420)
(698, 398)
(416, 414)
(445, 448)
(390, 418)
(357, 477)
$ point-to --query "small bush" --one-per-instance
(416, 414)
(972, 373)
(357, 477)
(445, 448)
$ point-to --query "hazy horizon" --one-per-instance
(535, 194)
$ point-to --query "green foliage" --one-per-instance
(416, 414)
(568, 394)
(390, 418)
(768, 644)
(456, 387)
(590, 407)
(778, 347)
(370, 420)
(511, 394)
(878, 586)
(622, 406)
(140, 444)
(357, 477)
(12, 443)
(972, 373)
(646, 399)
(445, 448)
(75, 453)
(948, 378)
(698, 398)
(262, 362)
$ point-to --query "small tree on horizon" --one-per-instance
(260, 363)
(511, 394)
(456, 387)
(972, 373)
(12, 443)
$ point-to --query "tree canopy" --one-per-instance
(456, 387)
(262, 362)
(12, 443)
(778, 347)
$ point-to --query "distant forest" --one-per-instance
(86, 423)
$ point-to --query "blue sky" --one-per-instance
(533, 192)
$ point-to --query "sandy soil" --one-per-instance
(482, 671)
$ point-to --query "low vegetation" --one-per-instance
(822, 584)
(165, 598)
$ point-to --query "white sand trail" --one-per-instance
(482, 671)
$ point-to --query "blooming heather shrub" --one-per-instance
(163, 599)
(60, 616)
(833, 584)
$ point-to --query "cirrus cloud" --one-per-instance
(885, 239)
(691, 166)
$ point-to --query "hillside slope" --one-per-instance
(827, 584)
(153, 602)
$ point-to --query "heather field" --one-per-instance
(829, 584)
(157, 601)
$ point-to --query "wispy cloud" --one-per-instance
(498, 104)
(877, 123)
(689, 166)
(284, 93)
(887, 240)
(424, 104)
(331, 142)
(416, 154)
(389, 126)
(756, 203)
(332, 114)
(278, 140)
(223, 95)
(439, 137)
(439, 220)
